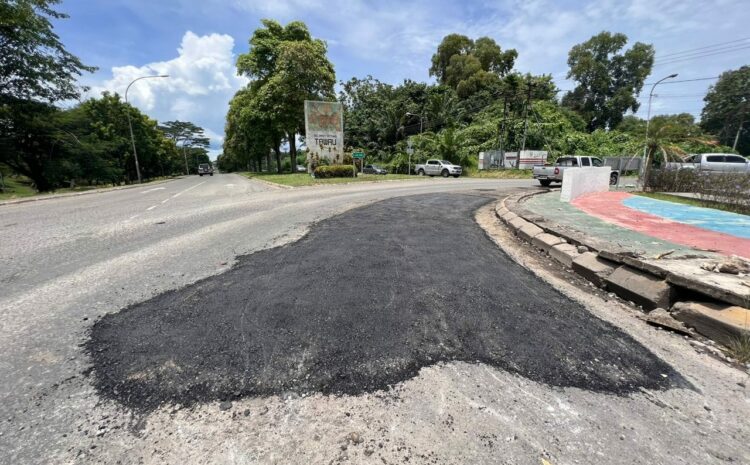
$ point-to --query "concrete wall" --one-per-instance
(579, 181)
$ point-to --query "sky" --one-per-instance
(197, 43)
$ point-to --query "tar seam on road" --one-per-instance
(362, 302)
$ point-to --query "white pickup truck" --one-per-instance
(442, 168)
(716, 162)
(550, 173)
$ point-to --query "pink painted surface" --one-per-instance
(608, 206)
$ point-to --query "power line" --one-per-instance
(703, 55)
(693, 50)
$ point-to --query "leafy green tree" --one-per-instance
(34, 64)
(287, 66)
(608, 80)
(186, 135)
(468, 66)
(727, 109)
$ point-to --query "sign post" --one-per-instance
(358, 156)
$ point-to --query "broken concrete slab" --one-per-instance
(546, 241)
(508, 217)
(721, 323)
(530, 231)
(663, 319)
(500, 210)
(642, 288)
(564, 253)
(518, 223)
(592, 267)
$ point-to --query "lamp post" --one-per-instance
(130, 124)
(421, 119)
(648, 118)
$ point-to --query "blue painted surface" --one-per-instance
(706, 218)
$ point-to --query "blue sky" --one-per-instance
(196, 42)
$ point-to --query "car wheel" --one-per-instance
(613, 178)
(420, 173)
(445, 173)
(212, 174)
(545, 182)
(456, 175)
(200, 175)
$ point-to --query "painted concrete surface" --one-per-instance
(610, 207)
(730, 223)
(565, 214)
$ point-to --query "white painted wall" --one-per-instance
(579, 181)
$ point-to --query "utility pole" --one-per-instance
(737, 136)
(502, 129)
(643, 171)
(130, 124)
(525, 123)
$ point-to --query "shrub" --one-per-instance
(731, 190)
(334, 171)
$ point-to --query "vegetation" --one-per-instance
(727, 110)
(304, 179)
(88, 143)
(334, 171)
(727, 191)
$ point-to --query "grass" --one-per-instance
(688, 201)
(739, 348)
(304, 179)
(16, 188)
(498, 174)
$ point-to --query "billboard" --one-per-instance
(324, 129)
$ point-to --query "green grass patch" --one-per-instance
(498, 174)
(16, 188)
(304, 179)
(689, 201)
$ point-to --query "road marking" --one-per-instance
(189, 188)
(133, 217)
(154, 189)
(229, 185)
(151, 207)
(165, 201)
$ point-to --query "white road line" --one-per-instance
(133, 217)
(189, 188)
(154, 189)
(151, 207)
(165, 201)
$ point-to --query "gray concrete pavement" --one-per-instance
(65, 263)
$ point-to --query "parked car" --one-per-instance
(442, 168)
(550, 173)
(374, 169)
(716, 162)
(301, 169)
(205, 168)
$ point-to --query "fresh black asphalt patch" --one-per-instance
(362, 302)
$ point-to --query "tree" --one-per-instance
(608, 81)
(727, 109)
(186, 135)
(468, 66)
(34, 63)
(287, 67)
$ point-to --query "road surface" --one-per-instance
(281, 357)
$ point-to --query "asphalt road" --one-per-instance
(462, 391)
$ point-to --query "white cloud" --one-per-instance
(202, 80)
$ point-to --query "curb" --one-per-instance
(618, 271)
(269, 183)
(76, 194)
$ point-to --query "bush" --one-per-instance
(334, 171)
(731, 190)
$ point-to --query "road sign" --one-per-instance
(409, 143)
(410, 150)
(358, 155)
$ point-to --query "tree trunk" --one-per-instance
(278, 160)
(293, 152)
(268, 161)
(737, 136)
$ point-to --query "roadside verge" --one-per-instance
(677, 292)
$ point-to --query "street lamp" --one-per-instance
(130, 124)
(648, 117)
(421, 119)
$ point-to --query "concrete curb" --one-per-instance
(76, 194)
(269, 183)
(619, 271)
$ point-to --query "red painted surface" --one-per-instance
(608, 206)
